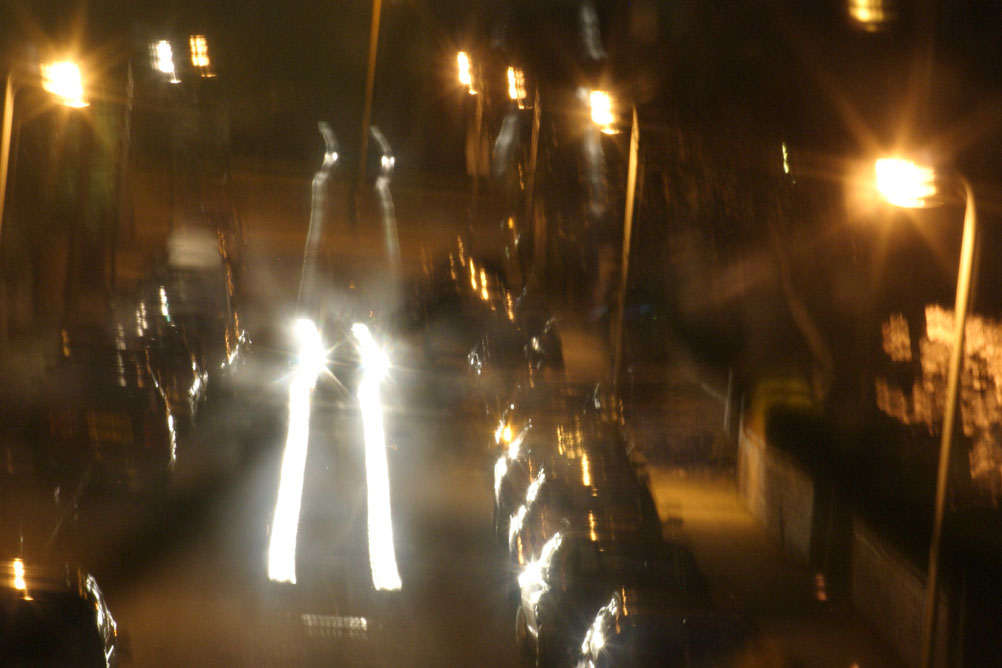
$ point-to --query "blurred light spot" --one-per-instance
(500, 471)
(285, 522)
(591, 526)
(820, 588)
(870, 15)
(920, 400)
(334, 626)
(19, 575)
(904, 183)
(591, 36)
(465, 71)
(199, 50)
(585, 470)
(516, 85)
(786, 159)
(63, 80)
(897, 341)
(162, 59)
(601, 111)
(382, 556)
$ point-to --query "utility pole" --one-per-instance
(370, 76)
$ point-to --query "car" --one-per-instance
(102, 413)
(56, 616)
(572, 576)
(177, 370)
(668, 628)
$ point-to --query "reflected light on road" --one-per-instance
(285, 523)
(382, 556)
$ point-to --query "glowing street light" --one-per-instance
(602, 114)
(465, 71)
(63, 80)
(516, 86)
(905, 184)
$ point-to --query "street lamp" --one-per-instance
(62, 79)
(905, 184)
(466, 76)
(603, 115)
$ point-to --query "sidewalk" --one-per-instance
(784, 599)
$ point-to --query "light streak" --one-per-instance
(285, 522)
(382, 557)
(19, 575)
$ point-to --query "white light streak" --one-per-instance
(285, 523)
(382, 556)
(162, 56)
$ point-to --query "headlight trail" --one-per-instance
(311, 360)
(382, 557)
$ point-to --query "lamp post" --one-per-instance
(62, 79)
(905, 184)
(603, 116)
(473, 82)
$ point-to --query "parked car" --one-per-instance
(573, 575)
(101, 410)
(668, 627)
(179, 373)
(56, 617)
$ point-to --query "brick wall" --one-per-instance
(888, 591)
(777, 491)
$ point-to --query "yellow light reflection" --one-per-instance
(601, 111)
(465, 66)
(585, 470)
(483, 285)
(463, 62)
(382, 556)
(871, 14)
(473, 275)
(285, 522)
(904, 183)
(199, 50)
(19, 575)
(63, 80)
(506, 433)
(591, 526)
(516, 85)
